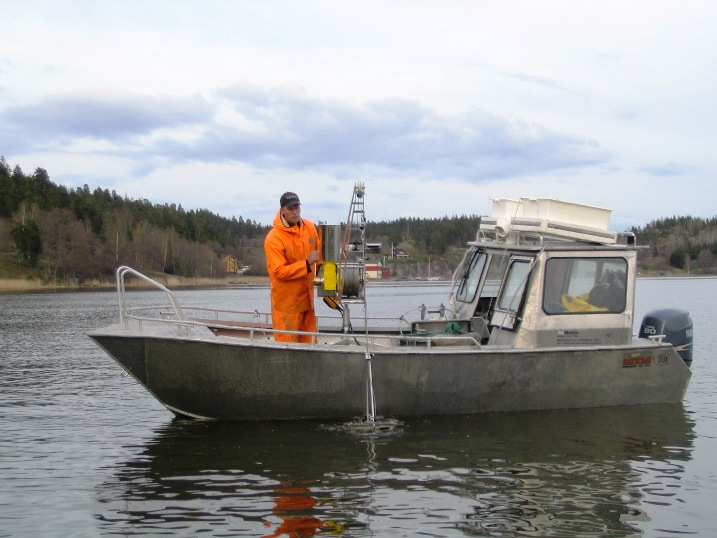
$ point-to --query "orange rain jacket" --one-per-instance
(287, 249)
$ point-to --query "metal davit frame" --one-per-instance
(352, 280)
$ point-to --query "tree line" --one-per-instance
(71, 234)
(67, 234)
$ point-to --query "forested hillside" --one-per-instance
(678, 244)
(68, 235)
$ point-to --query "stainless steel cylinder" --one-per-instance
(330, 242)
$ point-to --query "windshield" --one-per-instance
(469, 283)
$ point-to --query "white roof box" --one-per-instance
(549, 217)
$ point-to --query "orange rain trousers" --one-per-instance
(294, 321)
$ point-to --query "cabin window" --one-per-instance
(585, 285)
(512, 293)
(514, 286)
(496, 272)
(469, 283)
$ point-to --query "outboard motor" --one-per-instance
(675, 324)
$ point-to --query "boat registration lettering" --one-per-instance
(636, 361)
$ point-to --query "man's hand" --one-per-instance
(314, 256)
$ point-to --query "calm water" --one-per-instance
(84, 451)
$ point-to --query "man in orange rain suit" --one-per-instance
(292, 250)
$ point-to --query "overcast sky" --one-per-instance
(437, 106)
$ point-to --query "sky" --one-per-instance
(438, 107)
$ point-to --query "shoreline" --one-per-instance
(19, 285)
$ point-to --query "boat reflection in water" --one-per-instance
(596, 472)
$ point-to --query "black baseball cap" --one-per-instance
(289, 199)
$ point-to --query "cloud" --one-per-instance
(539, 81)
(283, 128)
(669, 169)
(106, 116)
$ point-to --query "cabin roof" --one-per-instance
(541, 244)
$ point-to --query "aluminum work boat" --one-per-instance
(539, 316)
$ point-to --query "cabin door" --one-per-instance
(511, 297)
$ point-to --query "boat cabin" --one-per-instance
(543, 273)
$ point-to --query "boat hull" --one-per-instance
(242, 379)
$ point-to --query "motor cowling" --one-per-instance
(675, 325)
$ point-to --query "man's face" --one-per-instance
(291, 214)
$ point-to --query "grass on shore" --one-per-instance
(17, 277)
